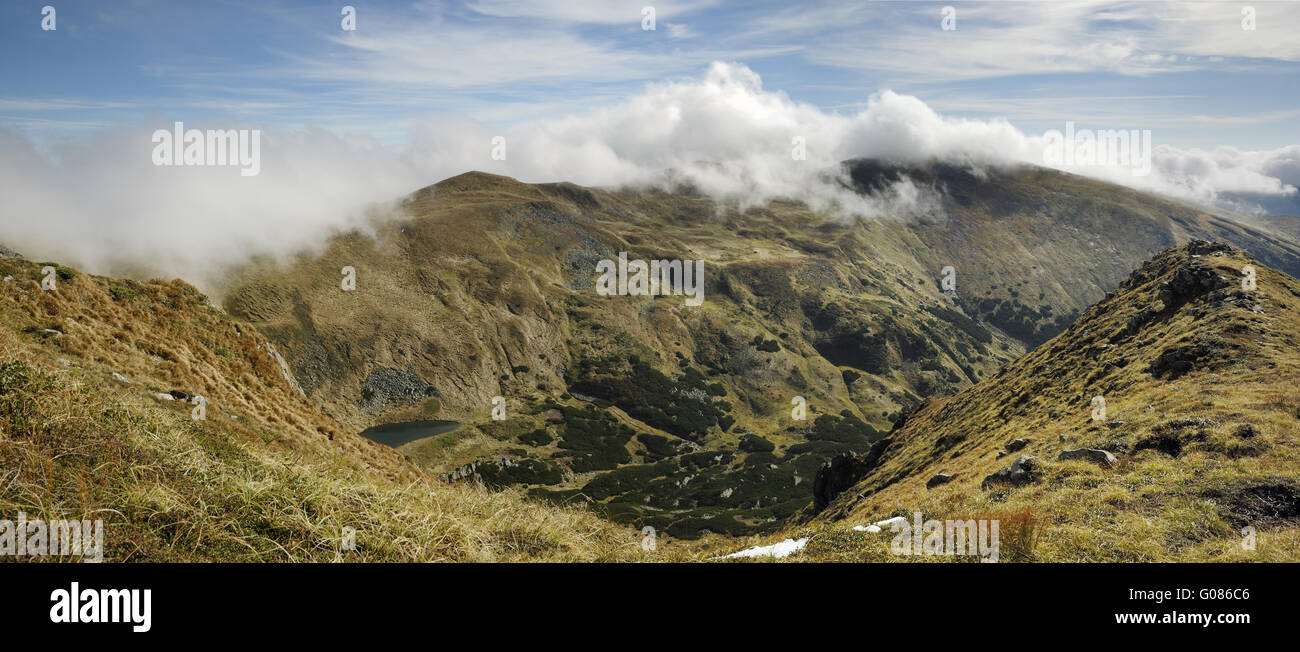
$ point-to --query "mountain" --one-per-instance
(98, 421)
(1193, 458)
(662, 413)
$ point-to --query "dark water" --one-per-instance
(396, 434)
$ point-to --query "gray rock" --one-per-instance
(938, 479)
(1101, 457)
(1022, 471)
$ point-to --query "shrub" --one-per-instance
(756, 444)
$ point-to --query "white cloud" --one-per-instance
(996, 39)
(586, 11)
(98, 202)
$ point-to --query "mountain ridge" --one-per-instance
(1196, 441)
(483, 286)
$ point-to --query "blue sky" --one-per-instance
(1187, 71)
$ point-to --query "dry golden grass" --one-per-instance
(1193, 505)
(263, 478)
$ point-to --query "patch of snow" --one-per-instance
(880, 526)
(777, 550)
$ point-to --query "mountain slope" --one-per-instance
(1199, 379)
(263, 476)
(482, 286)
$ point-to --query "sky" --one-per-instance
(1187, 71)
(585, 92)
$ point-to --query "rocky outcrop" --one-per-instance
(1188, 283)
(844, 471)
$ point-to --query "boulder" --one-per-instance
(1022, 471)
(1101, 457)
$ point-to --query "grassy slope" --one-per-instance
(265, 477)
(1186, 502)
(481, 287)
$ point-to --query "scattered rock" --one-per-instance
(1022, 471)
(938, 479)
(386, 386)
(1115, 423)
(1063, 436)
(50, 332)
(1002, 454)
(164, 397)
(120, 378)
(1017, 444)
(1101, 457)
(179, 395)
